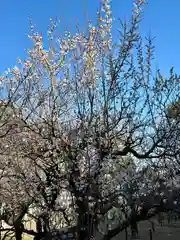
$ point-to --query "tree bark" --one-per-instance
(19, 232)
(134, 230)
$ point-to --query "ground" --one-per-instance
(166, 232)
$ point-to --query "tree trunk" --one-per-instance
(82, 228)
(18, 232)
(86, 227)
(160, 220)
(134, 230)
(126, 234)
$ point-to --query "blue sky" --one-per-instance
(161, 18)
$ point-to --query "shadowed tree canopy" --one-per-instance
(174, 110)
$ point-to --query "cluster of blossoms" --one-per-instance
(138, 4)
(77, 49)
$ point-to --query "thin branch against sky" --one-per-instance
(161, 18)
